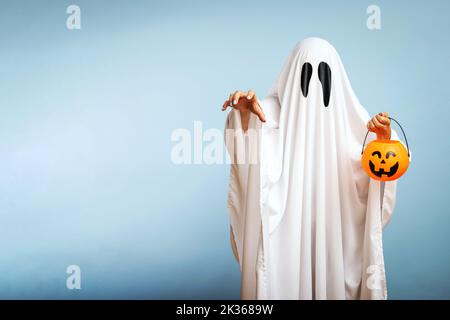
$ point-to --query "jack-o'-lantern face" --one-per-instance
(390, 171)
(385, 160)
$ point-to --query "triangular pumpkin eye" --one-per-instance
(325, 79)
(307, 70)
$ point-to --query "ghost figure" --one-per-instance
(306, 221)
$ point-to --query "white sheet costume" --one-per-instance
(306, 219)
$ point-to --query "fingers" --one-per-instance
(374, 126)
(256, 109)
(371, 126)
(384, 120)
(377, 123)
(251, 95)
(226, 104)
(235, 97)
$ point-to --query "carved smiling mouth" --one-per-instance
(380, 172)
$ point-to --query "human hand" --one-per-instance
(381, 125)
(245, 103)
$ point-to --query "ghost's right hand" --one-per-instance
(245, 103)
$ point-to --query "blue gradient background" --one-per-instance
(86, 119)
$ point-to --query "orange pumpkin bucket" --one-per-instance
(385, 160)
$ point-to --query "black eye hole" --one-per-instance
(307, 70)
(390, 153)
(377, 153)
(325, 79)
